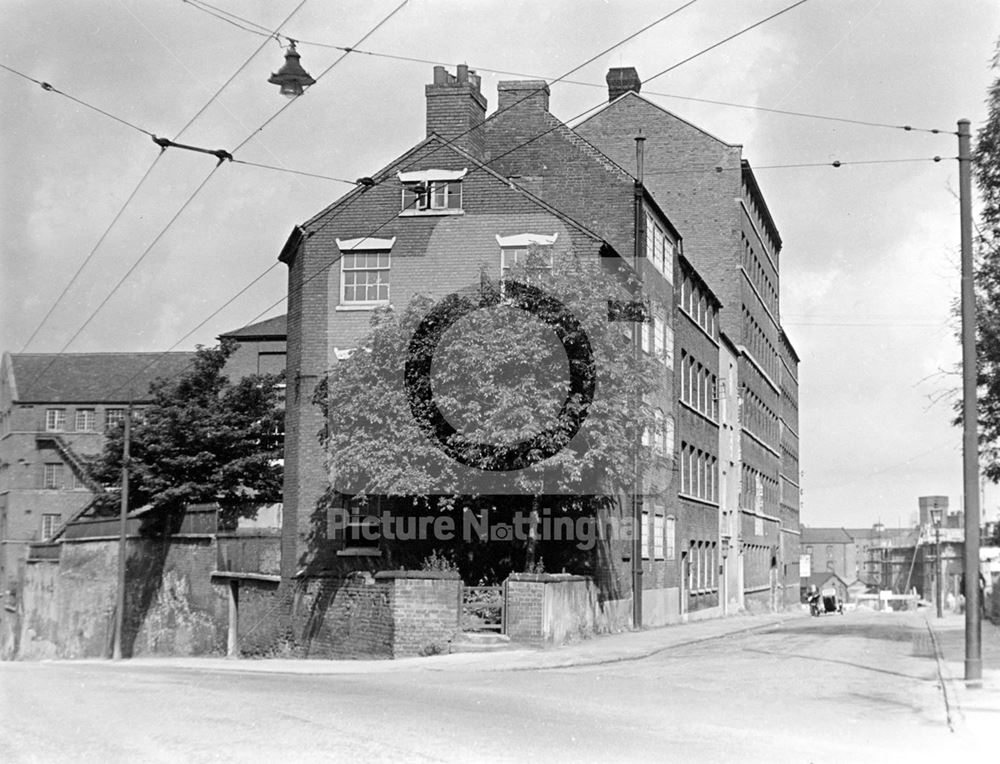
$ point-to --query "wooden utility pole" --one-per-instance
(970, 419)
(122, 524)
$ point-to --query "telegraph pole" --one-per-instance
(970, 419)
(122, 523)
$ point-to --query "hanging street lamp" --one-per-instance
(291, 78)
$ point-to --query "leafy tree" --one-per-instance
(499, 376)
(203, 439)
(986, 166)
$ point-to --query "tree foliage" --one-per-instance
(203, 439)
(499, 376)
(986, 166)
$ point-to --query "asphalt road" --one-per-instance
(839, 689)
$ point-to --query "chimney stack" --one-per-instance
(455, 107)
(621, 80)
(522, 96)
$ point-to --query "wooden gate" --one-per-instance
(484, 608)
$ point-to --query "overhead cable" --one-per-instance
(90, 256)
(118, 284)
(264, 31)
(57, 91)
(163, 144)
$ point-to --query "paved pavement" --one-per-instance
(975, 707)
(604, 649)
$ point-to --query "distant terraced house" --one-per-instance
(55, 411)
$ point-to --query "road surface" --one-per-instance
(839, 689)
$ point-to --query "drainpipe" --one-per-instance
(638, 534)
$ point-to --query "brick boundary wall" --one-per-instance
(426, 610)
(556, 608)
(391, 614)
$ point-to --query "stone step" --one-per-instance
(479, 642)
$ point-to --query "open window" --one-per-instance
(432, 192)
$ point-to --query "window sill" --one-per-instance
(698, 412)
(697, 499)
(349, 307)
(429, 213)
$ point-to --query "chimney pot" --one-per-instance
(456, 107)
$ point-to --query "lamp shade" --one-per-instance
(291, 78)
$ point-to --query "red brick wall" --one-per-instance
(426, 613)
(392, 615)
(343, 618)
(525, 611)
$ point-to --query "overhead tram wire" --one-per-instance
(338, 60)
(593, 58)
(235, 74)
(231, 18)
(228, 155)
(52, 89)
(723, 41)
(90, 256)
(559, 124)
(836, 164)
(323, 269)
(204, 321)
(142, 180)
(294, 172)
(494, 115)
(322, 74)
(334, 260)
(121, 281)
(221, 156)
(264, 31)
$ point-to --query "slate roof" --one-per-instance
(826, 536)
(90, 377)
(274, 327)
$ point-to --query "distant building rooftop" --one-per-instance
(269, 328)
(826, 536)
(89, 377)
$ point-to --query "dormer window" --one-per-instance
(432, 192)
(364, 271)
(530, 253)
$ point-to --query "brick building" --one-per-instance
(260, 349)
(698, 415)
(833, 550)
(712, 196)
(430, 221)
(731, 583)
(54, 412)
(488, 188)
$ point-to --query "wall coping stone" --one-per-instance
(547, 578)
(382, 575)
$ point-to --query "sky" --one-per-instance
(870, 258)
